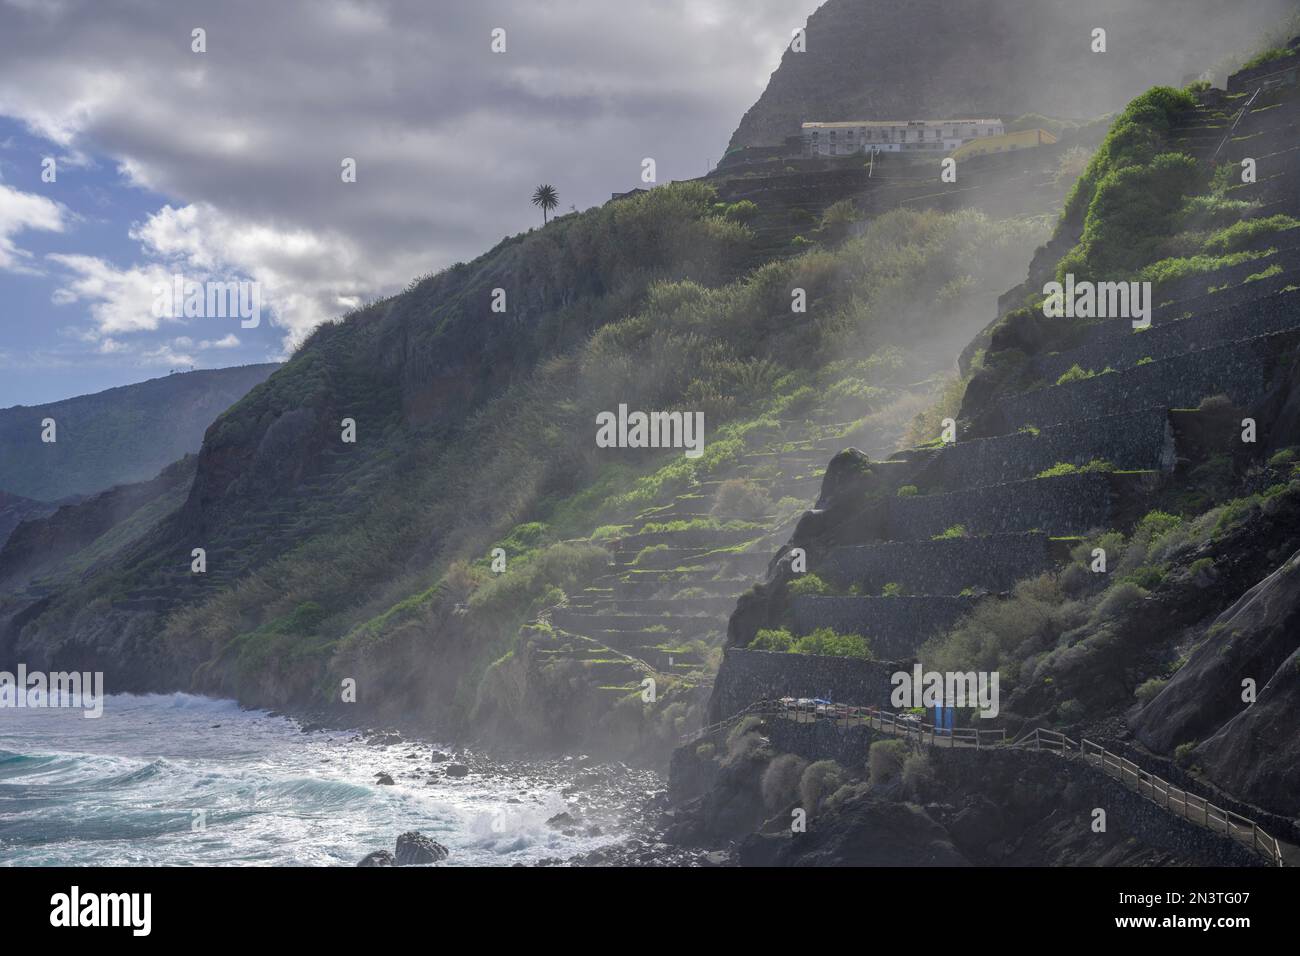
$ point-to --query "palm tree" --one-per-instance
(547, 198)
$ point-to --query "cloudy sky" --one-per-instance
(226, 164)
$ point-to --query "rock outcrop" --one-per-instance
(933, 59)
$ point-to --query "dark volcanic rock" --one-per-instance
(416, 849)
(456, 770)
(383, 780)
(865, 832)
(378, 858)
(860, 58)
(1251, 748)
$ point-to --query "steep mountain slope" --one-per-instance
(1112, 528)
(15, 509)
(878, 59)
(116, 436)
(329, 560)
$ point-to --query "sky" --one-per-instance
(226, 165)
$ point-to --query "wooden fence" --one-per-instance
(1189, 806)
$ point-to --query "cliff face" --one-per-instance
(117, 436)
(409, 378)
(878, 59)
(15, 509)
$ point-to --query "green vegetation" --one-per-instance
(823, 642)
(1060, 617)
(1240, 234)
(1129, 187)
(808, 584)
(1182, 267)
(741, 498)
(956, 531)
(1267, 56)
(1075, 374)
(1273, 270)
(546, 199)
(1065, 468)
(658, 301)
(885, 760)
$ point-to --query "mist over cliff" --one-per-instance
(879, 59)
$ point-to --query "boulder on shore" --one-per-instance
(416, 849)
(378, 858)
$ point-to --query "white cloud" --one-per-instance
(20, 211)
(120, 300)
(165, 355)
(450, 138)
(228, 342)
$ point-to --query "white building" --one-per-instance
(895, 136)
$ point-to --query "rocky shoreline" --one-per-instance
(601, 798)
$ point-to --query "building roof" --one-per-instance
(860, 123)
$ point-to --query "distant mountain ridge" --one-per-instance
(878, 59)
(120, 435)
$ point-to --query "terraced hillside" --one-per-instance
(659, 612)
(1168, 449)
(326, 559)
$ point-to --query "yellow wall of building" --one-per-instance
(1023, 139)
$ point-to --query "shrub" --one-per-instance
(781, 779)
(1065, 468)
(1268, 56)
(1148, 690)
(743, 741)
(908, 491)
(742, 211)
(1273, 270)
(778, 639)
(807, 584)
(1282, 458)
(818, 782)
(885, 761)
(741, 498)
(824, 642)
(1070, 711)
(918, 774)
(892, 589)
(1119, 599)
(1130, 193)
(1075, 374)
(652, 556)
(1241, 233)
(1146, 578)
(956, 531)
(1156, 524)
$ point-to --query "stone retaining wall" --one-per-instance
(896, 626)
(1239, 369)
(1139, 439)
(1273, 314)
(995, 562)
(746, 676)
(1070, 504)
